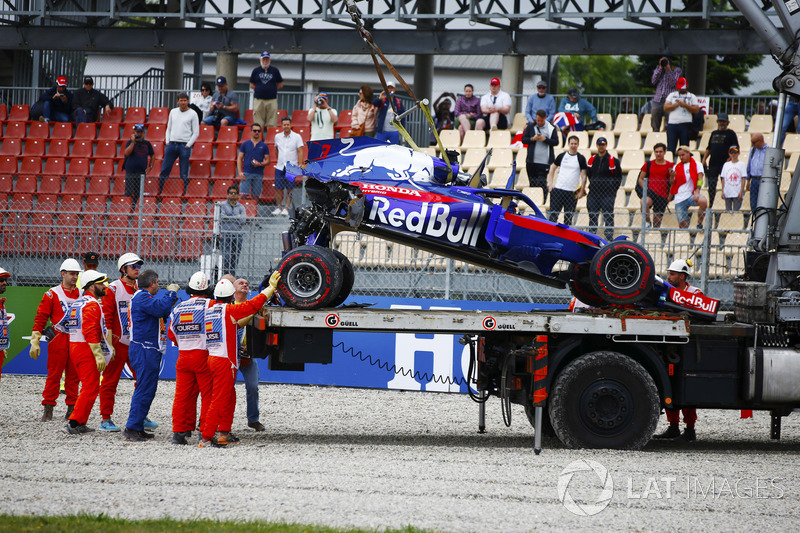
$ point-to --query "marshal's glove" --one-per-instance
(173, 287)
(273, 284)
(97, 351)
(35, 349)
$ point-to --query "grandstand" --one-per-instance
(61, 192)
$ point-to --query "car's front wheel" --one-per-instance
(622, 273)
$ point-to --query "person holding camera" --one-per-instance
(665, 79)
(139, 160)
(54, 104)
(322, 118)
(225, 106)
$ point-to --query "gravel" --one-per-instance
(378, 459)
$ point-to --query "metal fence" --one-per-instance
(179, 240)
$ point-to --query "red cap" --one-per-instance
(495, 81)
(682, 83)
(61, 81)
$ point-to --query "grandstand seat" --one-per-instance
(118, 220)
(196, 206)
(518, 123)
(114, 116)
(652, 139)
(191, 247)
(228, 134)
(248, 117)
(47, 202)
(501, 157)
(26, 183)
(629, 140)
(31, 166)
(172, 187)
(71, 203)
(271, 133)
(158, 115)
(22, 202)
(171, 205)
(158, 149)
(64, 240)
(282, 113)
(16, 130)
(127, 131)
(202, 151)
(156, 170)
(39, 130)
(340, 132)
(106, 150)
(103, 167)
(34, 147)
(225, 170)
(7, 179)
(95, 204)
(474, 139)
(75, 184)
(50, 184)
(79, 168)
(62, 130)
(744, 142)
(109, 131)
(646, 126)
(57, 148)
(451, 139)
(226, 152)
(736, 123)
(632, 160)
(198, 188)
(206, 134)
(499, 139)
(220, 190)
(118, 187)
(345, 118)
(626, 122)
(84, 149)
(472, 158)
(760, 124)
(304, 133)
(200, 170)
(86, 131)
(500, 178)
(136, 115)
(19, 112)
(120, 204)
(3, 202)
(149, 205)
(709, 122)
(791, 143)
(120, 173)
(99, 185)
(38, 234)
(268, 190)
(156, 132)
(606, 119)
(300, 119)
(114, 244)
(3, 113)
(11, 147)
(250, 207)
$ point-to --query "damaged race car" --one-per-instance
(408, 197)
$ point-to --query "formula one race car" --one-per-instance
(408, 197)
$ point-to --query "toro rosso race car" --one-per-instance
(408, 197)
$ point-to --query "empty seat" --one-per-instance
(57, 148)
(82, 149)
(31, 166)
(499, 139)
(106, 150)
(202, 151)
(108, 132)
(474, 139)
(200, 170)
(95, 204)
(501, 157)
(7, 179)
(206, 134)
(632, 160)
(652, 139)
(220, 190)
(472, 158)
(156, 132)
(226, 152)
(75, 184)
(626, 122)
(19, 112)
(450, 139)
(62, 130)
(34, 147)
(225, 169)
(518, 123)
(50, 185)
(736, 123)
(760, 123)
(171, 205)
(629, 140)
(114, 116)
(172, 187)
(198, 188)
(120, 204)
(300, 118)
(78, 167)
(103, 167)
(99, 185)
(158, 149)
(11, 147)
(228, 134)
(158, 115)
(47, 203)
(21, 202)
(86, 131)
(55, 166)
(16, 130)
(136, 115)
(709, 122)
(39, 130)
(71, 203)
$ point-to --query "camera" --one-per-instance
(320, 101)
(664, 62)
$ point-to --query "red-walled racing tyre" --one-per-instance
(622, 273)
(311, 277)
(348, 278)
(582, 289)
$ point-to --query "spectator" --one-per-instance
(322, 118)
(718, 146)
(685, 188)
(183, 129)
(266, 81)
(139, 160)
(573, 103)
(467, 110)
(658, 171)
(665, 79)
(680, 105)
(570, 185)
(253, 156)
(540, 136)
(540, 100)
(495, 107)
(232, 217)
(605, 176)
(733, 175)
(443, 115)
(225, 106)
(86, 103)
(91, 260)
(790, 112)
(206, 98)
(54, 104)
(289, 147)
(385, 129)
(363, 118)
(755, 166)
(5, 340)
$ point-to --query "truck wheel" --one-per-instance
(581, 288)
(348, 278)
(604, 400)
(310, 277)
(622, 273)
(547, 427)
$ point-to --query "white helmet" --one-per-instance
(70, 265)
(92, 276)
(4, 273)
(680, 265)
(223, 289)
(198, 281)
(127, 260)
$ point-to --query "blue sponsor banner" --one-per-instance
(407, 361)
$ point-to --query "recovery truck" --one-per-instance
(599, 378)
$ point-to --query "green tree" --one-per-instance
(598, 75)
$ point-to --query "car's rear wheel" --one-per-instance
(581, 288)
(348, 278)
(622, 272)
(311, 277)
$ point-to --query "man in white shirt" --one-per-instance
(183, 128)
(289, 146)
(569, 187)
(686, 181)
(495, 107)
(680, 105)
(322, 118)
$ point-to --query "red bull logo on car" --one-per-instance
(693, 300)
